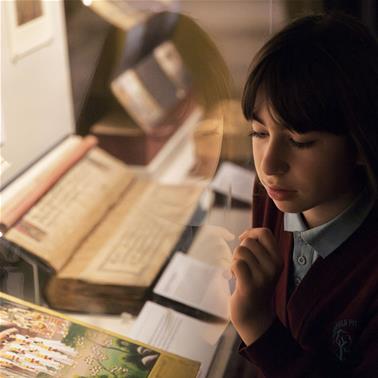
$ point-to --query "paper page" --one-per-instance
(39, 171)
(57, 224)
(196, 284)
(234, 180)
(43, 183)
(137, 236)
(176, 333)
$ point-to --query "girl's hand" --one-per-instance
(256, 265)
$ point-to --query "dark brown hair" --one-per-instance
(321, 73)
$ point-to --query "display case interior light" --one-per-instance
(87, 2)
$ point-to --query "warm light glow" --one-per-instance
(87, 2)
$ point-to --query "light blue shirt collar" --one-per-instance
(328, 236)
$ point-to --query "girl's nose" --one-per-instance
(275, 161)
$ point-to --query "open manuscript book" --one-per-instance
(105, 232)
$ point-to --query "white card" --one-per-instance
(196, 284)
(231, 179)
(176, 333)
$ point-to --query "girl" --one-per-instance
(306, 303)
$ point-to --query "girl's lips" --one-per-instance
(279, 194)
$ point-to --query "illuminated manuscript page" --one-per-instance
(132, 244)
(57, 224)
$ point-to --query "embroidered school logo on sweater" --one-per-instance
(343, 335)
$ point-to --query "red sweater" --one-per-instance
(328, 326)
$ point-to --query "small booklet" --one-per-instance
(37, 342)
(195, 284)
(174, 332)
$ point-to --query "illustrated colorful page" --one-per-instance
(37, 342)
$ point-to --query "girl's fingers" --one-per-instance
(265, 237)
(243, 275)
(264, 259)
(245, 254)
(243, 235)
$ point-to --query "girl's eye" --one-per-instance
(264, 134)
(302, 144)
(256, 134)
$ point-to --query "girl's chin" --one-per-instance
(288, 206)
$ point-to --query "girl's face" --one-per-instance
(312, 173)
